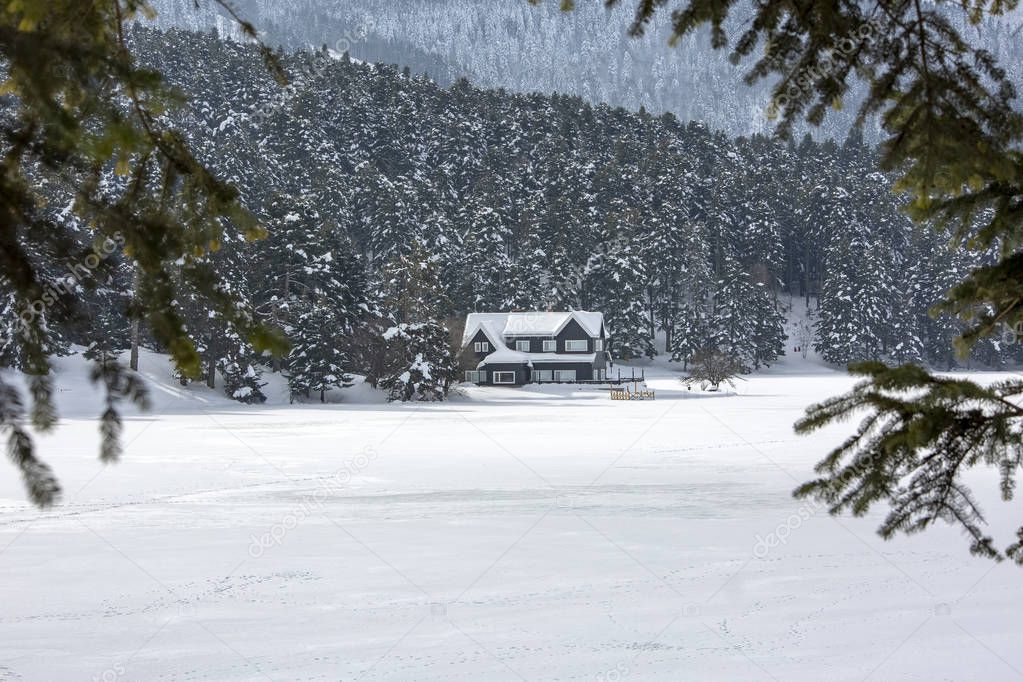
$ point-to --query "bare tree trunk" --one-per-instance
(650, 303)
(211, 365)
(133, 361)
(275, 363)
(806, 273)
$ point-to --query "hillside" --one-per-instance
(537, 48)
(521, 202)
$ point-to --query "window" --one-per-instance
(543, 375)
(550, 346)
(522, 346)
(481, 347)
(475, 377)
(575, 346)
(504, 377)
(598, 344)
(564, 375)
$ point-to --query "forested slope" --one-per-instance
(392, 201)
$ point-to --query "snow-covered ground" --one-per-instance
(510, 534)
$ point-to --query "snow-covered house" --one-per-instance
(530, 347)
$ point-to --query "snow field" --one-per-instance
(510, 534)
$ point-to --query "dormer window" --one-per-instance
(481, 347)
(522, 346)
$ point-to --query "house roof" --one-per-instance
(588, 358)
(533, 323)
(505, 355)
(492, 325)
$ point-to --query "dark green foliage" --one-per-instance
(82, 118)
(920, 435)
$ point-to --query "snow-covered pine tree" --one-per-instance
(486, 264)
(692, 311)
(856, 298)
(239, 368)
(318, 358)
(419, 363)
(615, 282)
(422, 351)
(220, 346)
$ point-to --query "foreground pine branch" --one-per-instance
(81, 114)
(921, 433)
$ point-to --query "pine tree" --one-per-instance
(240, 369)
(615, 282)
(419, 362)
(855, 301)
(167, 206)
(486, 265)
(318, 358)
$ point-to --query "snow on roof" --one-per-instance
(505, 355)
(533, 323)
(588, 358)
(591, 322)
(491, 323)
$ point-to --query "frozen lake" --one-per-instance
(506, 535)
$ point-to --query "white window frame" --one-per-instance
(498, 375)
(598, 345)
(572, 342)
(481, 347)
(550, 346)
(542, 375)
(475, 376)
(519, 343)
(565, 375)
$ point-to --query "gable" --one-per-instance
(573, 330)
(479, 337)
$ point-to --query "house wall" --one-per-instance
(535, 342)
(573, 332)
(521, 372)
(583, 370)
(469, 352)
(601, 361)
